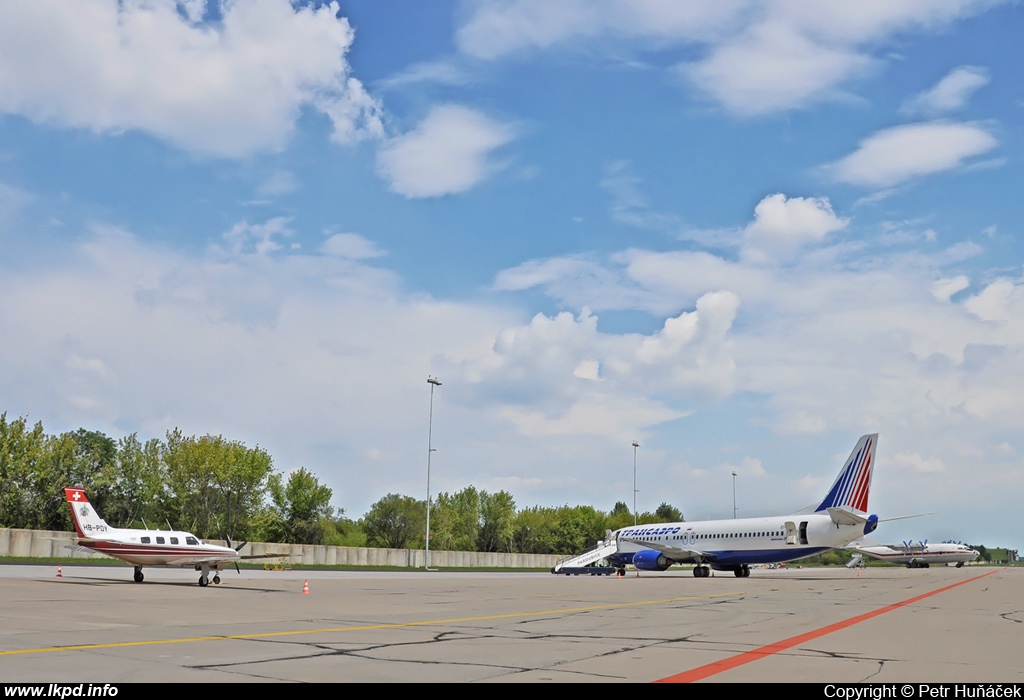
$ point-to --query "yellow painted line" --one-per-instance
(358, 628)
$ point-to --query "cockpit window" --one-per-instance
(191, 540)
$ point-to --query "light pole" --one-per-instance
(734, 495)
(635, 445)
(432, 381)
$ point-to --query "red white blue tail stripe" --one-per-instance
(854, 481)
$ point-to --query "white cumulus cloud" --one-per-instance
(751, 56)
(448, 152)
(895, 155)
(228, 88)
(950, 93)
(781, 226)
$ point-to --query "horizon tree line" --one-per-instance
(219, 488)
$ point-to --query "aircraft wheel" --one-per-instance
(203, 581)
(696, 572)
(739, 572)
(959, 564)
(138, 576)
(216, 578)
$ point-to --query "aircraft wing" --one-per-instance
(186, 560)
(193, 560)
(678, 554)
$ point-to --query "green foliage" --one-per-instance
(497, 522)
(563, 530)
(455, 520)
(668, 514)
(396, 522)
(343, 532)
(21, 467)
(301, 509)
(215, 486)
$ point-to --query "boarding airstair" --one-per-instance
(588, 562)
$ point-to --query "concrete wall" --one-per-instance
(37, 543)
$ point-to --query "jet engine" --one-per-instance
(651, 560)
(871, 524)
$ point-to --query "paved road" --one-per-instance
(885, 625)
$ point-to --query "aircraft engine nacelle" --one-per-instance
(651, 560)
(871, 524)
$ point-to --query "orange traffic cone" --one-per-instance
(619, 573)
(305, 587)
(59, 574)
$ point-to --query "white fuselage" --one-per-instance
(746, 540)
(156, 547)
(932, 554)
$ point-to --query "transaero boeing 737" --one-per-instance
(733, 545)
(150, 547)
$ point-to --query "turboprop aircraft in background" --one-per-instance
(150, 547)
(733, 545)
(916, 556)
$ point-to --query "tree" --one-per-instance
(303, 505)
(619, 517)
(455, 520)
(215, 486)
(140, 482)
(21, 460)
(497, 526)
(669, 514)
(395, 522)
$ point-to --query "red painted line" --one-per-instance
(702, 672)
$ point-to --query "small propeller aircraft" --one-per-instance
(150, 547)
(917, 556)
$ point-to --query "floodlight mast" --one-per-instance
(635, 445)
(432, 381)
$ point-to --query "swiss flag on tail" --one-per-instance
(75, 495)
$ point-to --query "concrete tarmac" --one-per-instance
(94, 624)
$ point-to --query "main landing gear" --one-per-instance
(701, 571)
(138, 574)
(742, 571)
(204, 577)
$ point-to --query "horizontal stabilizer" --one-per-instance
(845, 516)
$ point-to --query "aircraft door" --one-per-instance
(790, 532)
(803, 532)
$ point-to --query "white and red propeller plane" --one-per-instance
(150, 547)
(917, 556)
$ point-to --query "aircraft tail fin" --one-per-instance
(852, 485)
(88, 523)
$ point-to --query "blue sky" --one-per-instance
(740, 233)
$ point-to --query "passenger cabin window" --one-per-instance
(191, 540)
(160, 540)
(174, 540)
(145, 540)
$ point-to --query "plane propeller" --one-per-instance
(237, 549)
